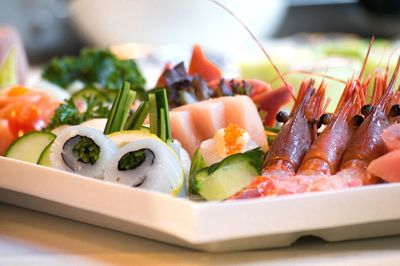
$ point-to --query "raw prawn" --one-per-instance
(366, 145)
(325, 154)
(288, 149)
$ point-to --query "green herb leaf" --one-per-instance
(68, 114)
(95, 67)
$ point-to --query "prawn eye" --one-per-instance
(282, 117)
(357, 120)
(367, 109)
(325, 119)
(395, 110)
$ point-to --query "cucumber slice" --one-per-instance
(44, 158)
(222, 180)
(30, 146)
(91, 92)
(226, 181)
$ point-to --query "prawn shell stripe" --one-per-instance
(96, 170)
(165, 173)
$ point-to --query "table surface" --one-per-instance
(33, 238)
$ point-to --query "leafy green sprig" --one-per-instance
(68, 113)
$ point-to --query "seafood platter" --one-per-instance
(200, 159)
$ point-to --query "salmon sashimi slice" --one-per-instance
(184, 131)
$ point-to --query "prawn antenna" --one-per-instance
(259, 45)
(371, 42)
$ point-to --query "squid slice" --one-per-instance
(146, 162)
(82, 150)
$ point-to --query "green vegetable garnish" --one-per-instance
(272, 129)
(136, 120)
(120, 109)
(86, 150)
(95, 67)
(88, 92)
(68, 114)
(198, 162)
(270, 139)
(159, 115)
(132, 160)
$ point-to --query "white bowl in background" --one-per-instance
(183, 22)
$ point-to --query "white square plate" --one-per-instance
(210, 226)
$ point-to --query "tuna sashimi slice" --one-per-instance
(242, 111)
(387, 166)
(199, 64)
(391, 137)
(183, 129)
(270, 102)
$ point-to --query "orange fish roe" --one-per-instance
(231, 135)
(17, 91)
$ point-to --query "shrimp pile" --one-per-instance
(302, 160)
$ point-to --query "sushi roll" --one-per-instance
(82, 150)
(145, 162)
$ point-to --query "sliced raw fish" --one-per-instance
(183, 129)
(270, 102)
(6, 136)
(208, 117)
(199, 64)
(242, 111)
(391, 137)
(386, 167)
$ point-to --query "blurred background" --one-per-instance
(327, 37)
(58, 27)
